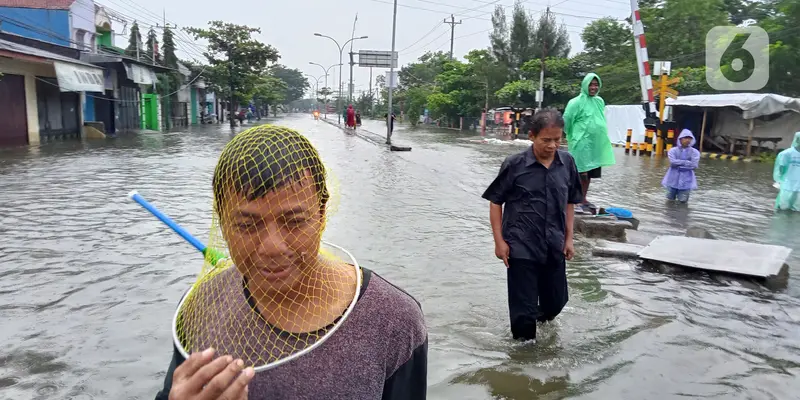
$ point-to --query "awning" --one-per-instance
(79, 78)
(73, 75)
(753, 105)
(140, 74)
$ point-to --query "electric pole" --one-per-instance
(371, 100)
(452, 24)
(540, 92)
(352, 38)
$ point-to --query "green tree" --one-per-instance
(296, 83)
(676, 29)
(152, 47)
(608, 41)
(416, 99)
(237, 61)
(134, 41)
(168, 48)
(270, 91)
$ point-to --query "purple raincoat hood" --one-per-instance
(687, 133)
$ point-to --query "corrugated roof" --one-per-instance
(5, 45)
(42, 4)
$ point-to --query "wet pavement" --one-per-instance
(91, 281)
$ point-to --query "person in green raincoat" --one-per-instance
(587, 133)
(787, 175)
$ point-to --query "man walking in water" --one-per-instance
(587, 134)
(533, 232)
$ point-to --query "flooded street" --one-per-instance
(90, 280)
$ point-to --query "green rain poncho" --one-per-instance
(787, 174)
(587, 132)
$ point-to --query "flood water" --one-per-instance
(90, 280)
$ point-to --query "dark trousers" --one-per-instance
(536, 292)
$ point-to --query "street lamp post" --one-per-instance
(341, 50)
(316, 90)
(327, 70)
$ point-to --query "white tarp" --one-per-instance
(623, 117)
(139, 74)
(79, 78)
(753, 105)
(730, 123)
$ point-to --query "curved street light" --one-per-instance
(341, 49)
(327, 70)
(316, 93)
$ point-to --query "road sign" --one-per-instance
(391, 79)
(377, 59)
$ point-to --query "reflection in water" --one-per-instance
(678, 214)
(91, 275)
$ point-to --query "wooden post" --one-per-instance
(703, 129)
(750, 136)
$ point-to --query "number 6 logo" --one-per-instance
(737, 58)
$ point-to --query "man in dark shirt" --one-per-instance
(533, 232)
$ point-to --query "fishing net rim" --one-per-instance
(322, 339)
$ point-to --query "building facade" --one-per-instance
(59, 56)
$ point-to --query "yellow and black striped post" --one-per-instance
(628, 141)
(660, 139)
(516, 126)
(642, 148)
(648, 139)
(670, 138)
(634, 147)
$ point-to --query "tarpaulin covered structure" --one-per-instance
(741, 118)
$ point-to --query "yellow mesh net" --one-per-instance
(282, 290)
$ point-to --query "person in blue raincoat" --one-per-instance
(683, 160)
(787, 175)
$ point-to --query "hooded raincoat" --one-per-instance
(587, 132)
(787, 174)
(682, 163)
(351, 116)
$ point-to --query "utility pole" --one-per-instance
(452, 24)
(352, 38)
(540, 92)
(371, 100)
(350, 87)
(389, 121)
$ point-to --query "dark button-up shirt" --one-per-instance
(535, 201)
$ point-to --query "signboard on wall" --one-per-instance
(377, 59)
(79, 78)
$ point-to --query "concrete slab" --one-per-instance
(742, 258)
(605, 248)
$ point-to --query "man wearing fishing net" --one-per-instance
(288, 316)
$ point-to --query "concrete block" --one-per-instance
(603, 229)
(605, 248)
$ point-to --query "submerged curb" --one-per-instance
(714, 156)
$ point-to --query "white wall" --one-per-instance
(82, 17)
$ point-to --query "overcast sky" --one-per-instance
(290, 26)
